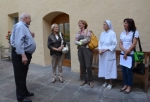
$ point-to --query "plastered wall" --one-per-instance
(93, 11)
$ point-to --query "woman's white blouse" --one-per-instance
(56, 37)
(127, 39)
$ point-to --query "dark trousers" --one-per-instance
(128, 74)
(85, 59)
(20, 73)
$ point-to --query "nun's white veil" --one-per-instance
(109, 24)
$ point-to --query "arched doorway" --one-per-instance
(62, 19)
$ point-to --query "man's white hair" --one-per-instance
(24, 15)
(53, 26)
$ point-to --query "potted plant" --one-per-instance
(8, 36)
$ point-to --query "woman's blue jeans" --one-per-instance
(128, 74)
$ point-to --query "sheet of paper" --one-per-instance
(127, 63)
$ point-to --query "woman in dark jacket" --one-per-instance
(56, 44)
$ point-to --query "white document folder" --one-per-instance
(127, 63)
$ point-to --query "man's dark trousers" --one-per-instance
(20, 73)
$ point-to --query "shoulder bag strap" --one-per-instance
(139, 42)
(90, 31)
(61, 37)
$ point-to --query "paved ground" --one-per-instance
(39, 82)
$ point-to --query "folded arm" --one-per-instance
(49, 44)
(113, 43)
(85, 40)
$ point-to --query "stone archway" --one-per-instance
(60, 18)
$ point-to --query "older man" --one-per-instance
(23, 46)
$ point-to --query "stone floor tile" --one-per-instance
(63, 96)
(87, 95)
(39, 98)
(11, 95)
(7, 100)
(39, 82)
(108, 99)
(32, 86)
(113, 93)
(32, 76)
(70, 88)
(75, 81)
(85, 98)
(148, 98)
(43, 79)
(46, 91)
(57, 84)
(137, 96)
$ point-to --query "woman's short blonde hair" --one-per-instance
(84, 23)
(53, 26)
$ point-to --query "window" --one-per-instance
(15, 20)
(12, 20)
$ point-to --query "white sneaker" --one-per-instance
(105, 84)
(109, 86)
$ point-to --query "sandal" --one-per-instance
(53, 80)
(61, 79)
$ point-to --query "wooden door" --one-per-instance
(63, 21)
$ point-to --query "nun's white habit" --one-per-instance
(107, 61)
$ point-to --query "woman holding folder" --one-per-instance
(128, 41)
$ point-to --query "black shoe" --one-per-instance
(122, 90)
(29, 94)
(127, 92)
(25, 100)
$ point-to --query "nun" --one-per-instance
(107, 55)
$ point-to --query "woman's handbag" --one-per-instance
(65, 48)
(138, 55)
(93, 42)
(140, 68)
